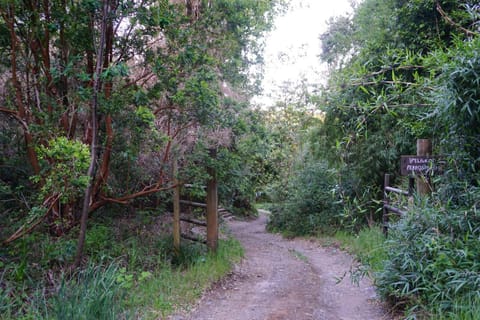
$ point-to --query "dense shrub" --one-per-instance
(433, 259)
(312, 204)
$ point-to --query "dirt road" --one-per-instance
(286, 279)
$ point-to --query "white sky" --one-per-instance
(292, 48)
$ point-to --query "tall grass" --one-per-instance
(368, 246)
(133, 273)
(171, 289)
(6, 303)
(464, 309)
(93, 293)
(113, 292)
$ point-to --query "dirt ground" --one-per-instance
(288, 280)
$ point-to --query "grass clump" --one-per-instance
(368, 246)
(132, 273)
(93, 293)
(428, 267)
(171, 289)
(90, 293)
(462, 308)
(433, 263)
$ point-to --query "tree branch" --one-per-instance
(49, 203)
(453, 23)
(384, 70)
(16, 116)
(154, 188)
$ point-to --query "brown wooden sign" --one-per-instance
(420, 165)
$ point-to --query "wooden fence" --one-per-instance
(391, 207)
(210, 206)
(419, 168)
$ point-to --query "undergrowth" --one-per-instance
(433, 262)
(170, 289)
(308, 204)
(368, 246)
(427, 268)
(132, 272)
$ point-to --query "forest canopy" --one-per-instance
(100, 97)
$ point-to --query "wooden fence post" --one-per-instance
(176, 210)
(411, 191)
(424, 148)
(386, 183)
(212, 208)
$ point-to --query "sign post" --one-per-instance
(418, 165)
(422, 166)
(424, 148)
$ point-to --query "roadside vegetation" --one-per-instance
(89, 134)
(399, 71)
(131, 273)
(98, 100)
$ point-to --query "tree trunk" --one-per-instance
(22, 112)
(93, 145)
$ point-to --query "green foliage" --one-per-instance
(368, 246)
(243, 22)
(99, 239)
(368, 118)
(432, 259)
(336, 42)
(145, 116)
(65, 163)
(170, 289)
(457, 97)
(386, 92)
(189, 254)
(457, 93)
(132, 273)
(408, 70)
(57, 252)
(127, 280)
(422, 27)
(463, 308)
(371, 30)
(163, 94)
(311, 205)
(200, 96)
(92, 293)
(247, 168)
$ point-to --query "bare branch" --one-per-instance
(23, 230)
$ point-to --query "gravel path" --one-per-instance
(286, 279)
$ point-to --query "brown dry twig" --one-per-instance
(23, 230)
(453, 23)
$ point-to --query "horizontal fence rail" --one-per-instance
(388, 206)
